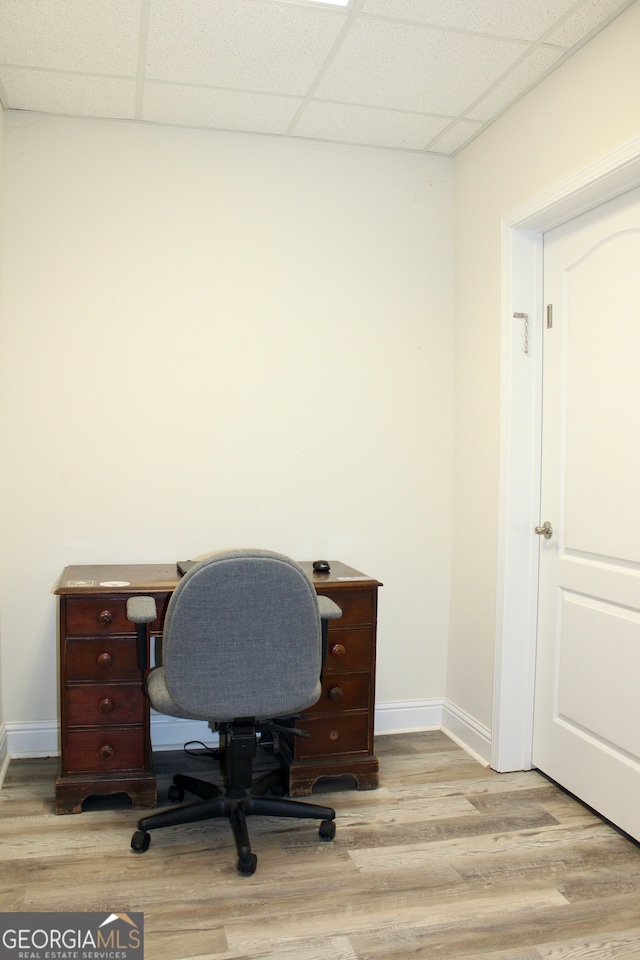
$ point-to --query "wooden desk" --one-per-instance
(104, 713)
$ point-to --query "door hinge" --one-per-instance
(549, 316)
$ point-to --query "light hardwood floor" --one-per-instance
(445, 860)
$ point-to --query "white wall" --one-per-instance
(583, 111)
(218, 339)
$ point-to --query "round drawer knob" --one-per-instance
(104, 660)
(335, 694)
(105, 617)
(333, 735)
(338, 650)
(106, 705)
(106, 752)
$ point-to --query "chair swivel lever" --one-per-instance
(269, 726)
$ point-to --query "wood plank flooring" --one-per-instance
(445, 860)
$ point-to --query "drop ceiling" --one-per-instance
(418, 75)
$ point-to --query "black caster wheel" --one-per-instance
(140, 841)
(327, 830)
(247, 865)
(175, 794)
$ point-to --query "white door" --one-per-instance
(587, 691)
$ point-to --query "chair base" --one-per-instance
(235, 802)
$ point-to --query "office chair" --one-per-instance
(242, 649)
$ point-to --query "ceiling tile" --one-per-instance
(218, 109)
(411, 67)
(246, 44)
(516, 83)
(71, 94)
(455, 137)
(367, 125)
(590, 15)
(522, 19)
(95, 36)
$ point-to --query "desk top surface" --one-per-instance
(130, 578)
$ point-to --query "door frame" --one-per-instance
(521, 437)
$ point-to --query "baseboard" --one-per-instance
(171, 733)
(33, 738)
(4, 753)
(407, 716)
(467, 732)
(40, 738)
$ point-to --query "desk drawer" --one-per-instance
(110, 704)
(88, 617)
(101, 751)
(349, 691)
(349, 650)
(357, 607)
(333, 736)
(102, 659)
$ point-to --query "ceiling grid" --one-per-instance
(417, 75)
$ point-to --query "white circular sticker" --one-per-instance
(115, 583)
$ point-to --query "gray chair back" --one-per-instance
(242, 638)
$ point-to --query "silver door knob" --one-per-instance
(545, 530)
